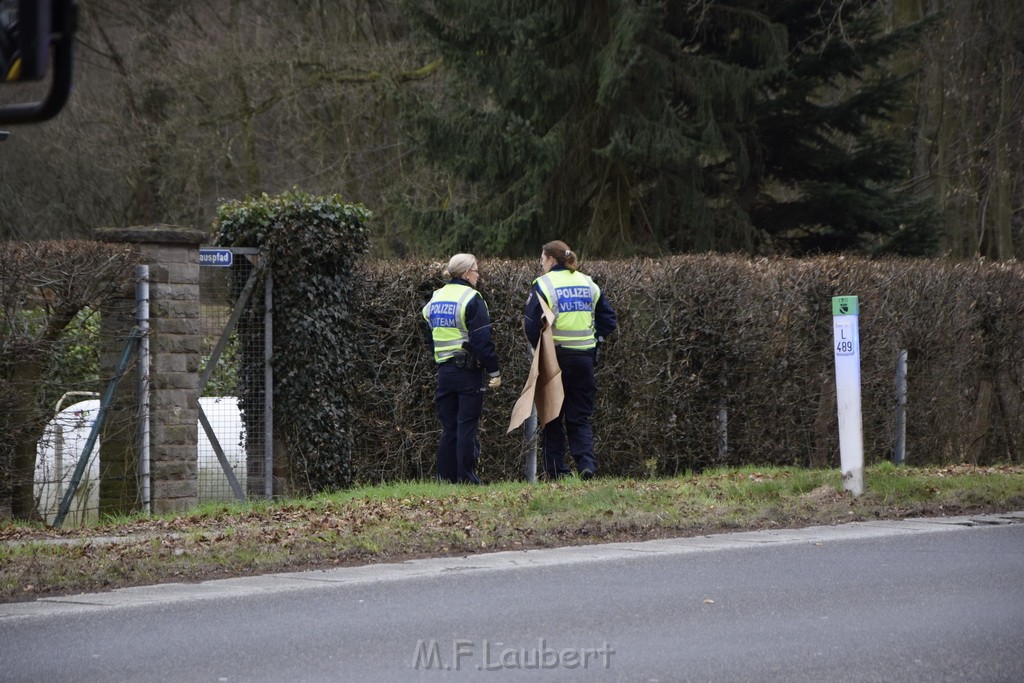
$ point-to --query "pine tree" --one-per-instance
(625, 126)
(583, 121)
(832, 168)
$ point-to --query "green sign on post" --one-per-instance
(845, 305)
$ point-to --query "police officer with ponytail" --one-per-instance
(583, 319)
(460, 332)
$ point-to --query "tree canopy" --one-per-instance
(622, 126)
(665, 127)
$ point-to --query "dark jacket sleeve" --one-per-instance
(605, 321)
(532, 317)
(478, 324)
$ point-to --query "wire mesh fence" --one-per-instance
(74, 483)
(60, 447)
(51, 294)
(65, 313)
(232, 329)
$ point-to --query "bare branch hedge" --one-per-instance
(700, 332)
(51, 293)
(697, 333)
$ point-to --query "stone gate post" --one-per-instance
(172, 254)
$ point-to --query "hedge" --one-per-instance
(703, 332)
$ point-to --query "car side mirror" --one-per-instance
(34, 33)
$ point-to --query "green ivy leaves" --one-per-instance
(312, 244)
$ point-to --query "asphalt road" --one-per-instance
(914, 600)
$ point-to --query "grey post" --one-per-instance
(900, 433)
(530, 438)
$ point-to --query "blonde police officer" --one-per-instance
(460, 332)
(583, 318)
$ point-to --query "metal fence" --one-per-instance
(235, 419)
(68, 468)
(235, 402)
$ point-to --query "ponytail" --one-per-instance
(563, 255)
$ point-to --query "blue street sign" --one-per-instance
(220, 258)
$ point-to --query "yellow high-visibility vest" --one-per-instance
(446, 313)
(572, 297)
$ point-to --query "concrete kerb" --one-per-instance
(104, 540)
(141, 596)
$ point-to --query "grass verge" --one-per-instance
(407, 520)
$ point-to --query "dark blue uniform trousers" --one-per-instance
(574, 419)
(460, 401)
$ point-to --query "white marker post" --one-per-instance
(846, 345)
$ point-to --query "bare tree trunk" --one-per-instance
(1003, 181)
(250, 161)
(28, 427)
(970, 120)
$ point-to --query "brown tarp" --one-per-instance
(544, 384)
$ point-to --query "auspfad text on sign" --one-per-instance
(215, 257)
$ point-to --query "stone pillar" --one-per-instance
(172, 254)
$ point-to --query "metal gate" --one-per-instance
(236, 380)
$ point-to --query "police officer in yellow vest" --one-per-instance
(460, 332)
(583, 319)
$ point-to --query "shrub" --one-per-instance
(311, 243)
(698, 333)
(49, 295)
